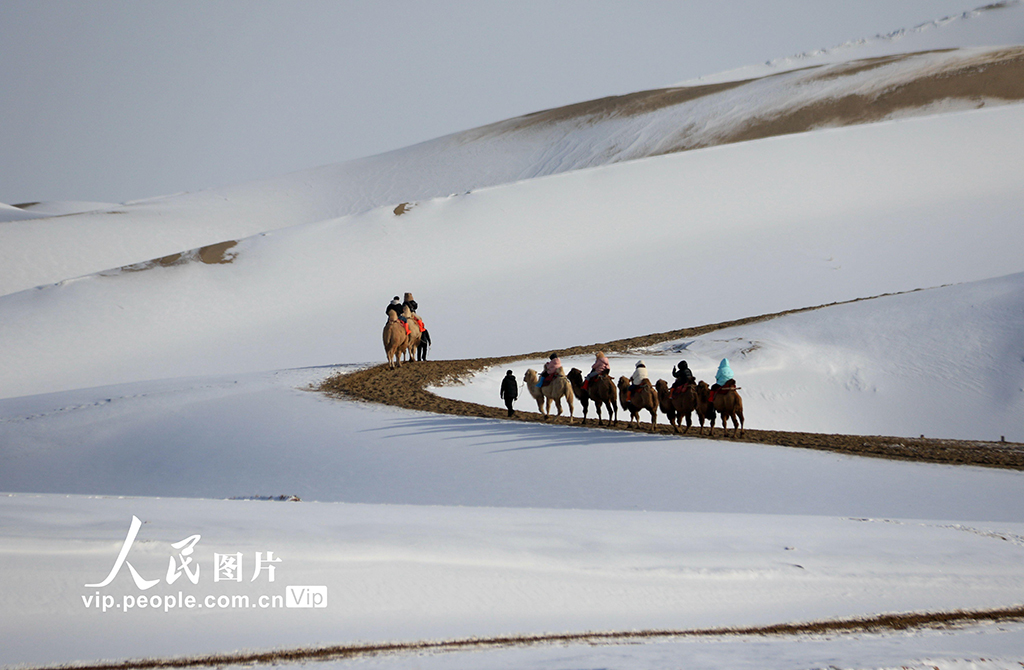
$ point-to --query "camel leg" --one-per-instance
(569, 399)
(547, 408)
(654, 420)
(739, 413)
(688, 423)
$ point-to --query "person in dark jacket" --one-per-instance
(394, 306)
(509, 391)
(683, 375)
(409, 302)
(421, 350)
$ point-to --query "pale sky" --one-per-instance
(115, 100)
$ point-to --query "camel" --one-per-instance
(644, 397)
(682, 404)
(728, 403)
(395, 340)
(601, 390)
(555, 390)
(705, 410)
(413, 341)
(665, 401)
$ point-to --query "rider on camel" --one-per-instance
(550, 370)
(394, 306)
(601, 366)
(409, 302)
(639, 377)
(683, 375)
(723, 378)
(724, 374)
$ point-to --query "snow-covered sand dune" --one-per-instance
(589, 134)
(592, 255)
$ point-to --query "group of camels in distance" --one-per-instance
(674, 403)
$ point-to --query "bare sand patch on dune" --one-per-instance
(997, 76)
(211, 254)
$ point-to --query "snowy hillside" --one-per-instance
(159, 357)
(589, 134)
(948, 362)
(592, 255)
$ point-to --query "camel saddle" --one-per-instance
(727, 386)
(586, 382)
(682, 388)
(629, 391)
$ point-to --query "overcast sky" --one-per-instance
(108, 100)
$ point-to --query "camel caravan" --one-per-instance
(637, 394)
(404, 333)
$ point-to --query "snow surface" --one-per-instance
(165, 390)
(445, 527)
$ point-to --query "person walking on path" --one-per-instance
(509, 391)
(421, 350)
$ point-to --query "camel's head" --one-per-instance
(392, 317)
(530, 376)
(662, 386)
(623, 382)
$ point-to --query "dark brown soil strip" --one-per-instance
(881, 623)
(406, 387)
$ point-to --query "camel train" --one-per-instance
(402, 334)
(676, 403)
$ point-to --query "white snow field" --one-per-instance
(435, 527)
(177, 391)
